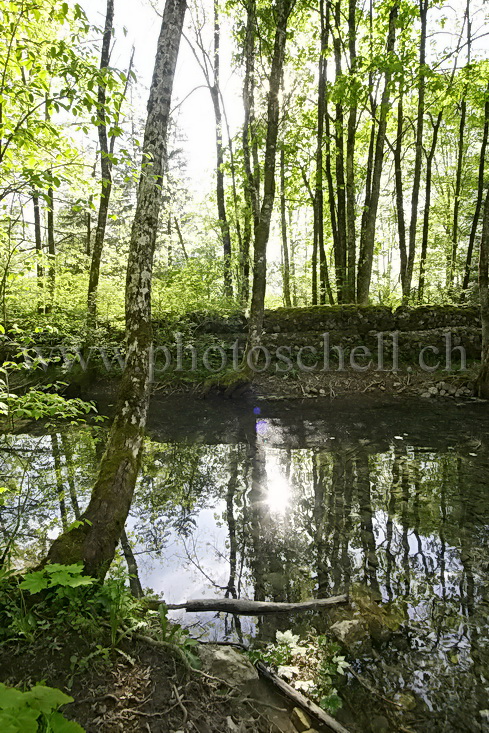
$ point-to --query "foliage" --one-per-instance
(34, 711)
(313, 666)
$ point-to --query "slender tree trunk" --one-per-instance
(106, 171)
(418, 156)
(427, 205)
(39, 253)
(180, 238)
(340, 244)
(220, 194)
(132, 566)
(262, 227)
(285, 245)
(51, 251)
(60, 489)
(460, 161)
(318, 201)
(401, 222)
(480, 197)
(68, 453)
(482, 385)
(250, 153)
(367, 239)
(350, 290)
(94, 541)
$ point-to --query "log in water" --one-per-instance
(244, 607)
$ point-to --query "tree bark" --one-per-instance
(244, 607)
(250, 155)
(350, 285)
(94, 541)
(283, 10)
(367, 239)
(106, 171)
(482, 384)
(427, 205)
(39, 253)
(132, 567)
(220, 194)
(401, 221)
(285, 245)
(480, 197)
(51, 251)
(341, 237)
(418, 156)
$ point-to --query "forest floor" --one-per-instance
(139, 689)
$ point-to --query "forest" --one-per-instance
(244, 178)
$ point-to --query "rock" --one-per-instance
(227, 664)
(350, 632)
(433, 390)
(380, 724)
(300, 720)
(425, 394)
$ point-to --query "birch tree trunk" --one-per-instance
(39, 253)
(106, 170)
(94, 541)
(350, 285)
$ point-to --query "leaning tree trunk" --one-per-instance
(482, 384)
(262, 227)
(106, 170)
(93, 542)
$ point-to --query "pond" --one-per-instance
(273, 500)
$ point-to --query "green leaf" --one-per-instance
(59, 724)
(17, 720)
(34, 582)
(46, 699)
(10, 697)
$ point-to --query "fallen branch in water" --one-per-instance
(299, 700)
(243, 607)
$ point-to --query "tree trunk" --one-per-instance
(39, 253)
(480, 197)
(94, 541)
(427, 205)
(350, 286)
(482, 384)
(250, 156)
(60, 489)
(367, 239)
(285, 245)
(418, 156)
(401, 222)
(262, 226)
(106, 171)
(132, 567)
(51, 251)
(323, 125)
(340, 244)
(221, 199)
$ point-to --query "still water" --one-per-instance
(289, 501)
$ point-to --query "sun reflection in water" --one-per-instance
(278, 487)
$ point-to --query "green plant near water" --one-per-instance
(313, 665)
(175, 636)
(35, 711)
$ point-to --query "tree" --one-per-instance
(93, 540)
(482, 385)
(282, 12)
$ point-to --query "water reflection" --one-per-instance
(266, 521)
